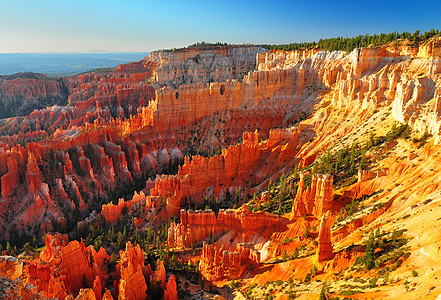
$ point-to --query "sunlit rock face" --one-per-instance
(204, 64)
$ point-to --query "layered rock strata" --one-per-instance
(204, 64)
(200, 225)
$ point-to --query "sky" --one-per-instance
(144, 25)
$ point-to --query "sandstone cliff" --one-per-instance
(204, 64)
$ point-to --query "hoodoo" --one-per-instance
(316, 199)
(324, 250)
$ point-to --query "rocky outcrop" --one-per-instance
(217, 263)
(175, 108)
(11, 286)
(10, 180)
(75, 260)
(107, 106)
(69, 269)
(271, 60)
(171, 292)
(107, 295)
(112, 212)
(199, 225)
(62, 267)
(104, 164)
(204, 64)
(159, 276)
(315, 200)
(86, 294)
(33, 174)
(42, 272)
(325, 249)
(119, 161)
(98, 287)
(364, 175)
(132, 273)
(10, 267)
(18, 289)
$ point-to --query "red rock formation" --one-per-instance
(199, 225)
(238, 165)
(11, 286)
(10, 180)
(111, 212)
(33, 174)
(106, 104)
(97, 288)
(119, 160)
(133, 158)
(23, 92)
(315, 200)
(306, 161)
(75, 260)
(104, 164)
(107, 295)
(68, 268)
(64, 158)
(130, 133)
(85, 165)
(86, 294)
(132, 272)
(364, 175)
(171, 292)
(61, 268)
(10, 267)
(42, 271)
(325, 249)
(216, 264)
(159, 276)
(100, 262)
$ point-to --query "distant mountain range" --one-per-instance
(63, 64)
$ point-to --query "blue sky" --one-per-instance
(143, 26)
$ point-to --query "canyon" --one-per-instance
(226, 169)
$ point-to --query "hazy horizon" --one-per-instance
(63, 64)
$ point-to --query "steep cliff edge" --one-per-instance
(204, 64)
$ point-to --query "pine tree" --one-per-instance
(295, 254)
(323, 293)
(84, 281)
(363, 160)
(173, 260)
(120, 240)
(369, 254)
